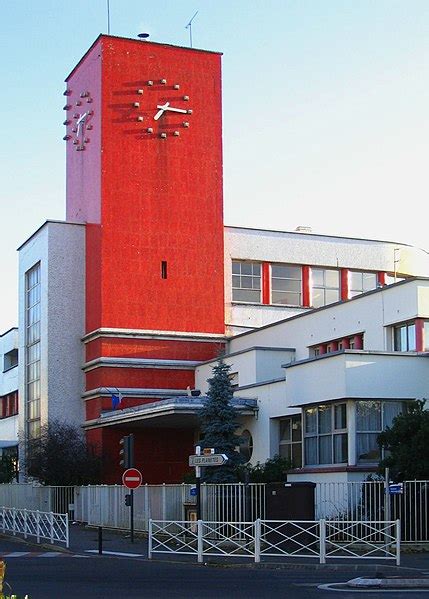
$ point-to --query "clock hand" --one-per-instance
(80, 122)
(162, 109)
(171, 109)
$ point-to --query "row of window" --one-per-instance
(404, 339)
(9, 405)
(323, 437)
(287, 282)
(32, 351)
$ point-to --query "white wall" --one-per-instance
(255, 365)
(358, 375)
(313, 250)
(8, 378)
(59, 247)
(8, 384)
(369, 313)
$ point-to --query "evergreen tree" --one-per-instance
(407, 442)
(219, 425)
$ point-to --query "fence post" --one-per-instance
(322, 528)
(38, 525)
(398, 542)
(164, 501)
(51, 520)
(67, 531)
(146, 504)
(14, 520)
(25, 524)
(257, 541)
(200, 541)
(149, 548)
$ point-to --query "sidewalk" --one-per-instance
(84, 539)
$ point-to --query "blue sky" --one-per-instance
(325, 110)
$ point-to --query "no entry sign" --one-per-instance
(132, 478)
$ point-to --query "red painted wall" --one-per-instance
(139, 377)
(155, 199)
(161, 454)
(153, 348)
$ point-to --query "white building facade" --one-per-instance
(9, 358)
(328, 381)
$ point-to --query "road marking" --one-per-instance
(115, 553)
(34, 554)
(342, 588)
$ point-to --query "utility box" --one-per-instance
(290, 501)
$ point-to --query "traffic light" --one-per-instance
(126, 451)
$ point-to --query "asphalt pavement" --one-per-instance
(124, 571)
(84, 540)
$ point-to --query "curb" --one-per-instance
(389, 583)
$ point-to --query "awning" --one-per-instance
(176, 412)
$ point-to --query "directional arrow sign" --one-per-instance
(215, 459)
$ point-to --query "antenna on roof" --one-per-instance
(189, 26)
(108, 17)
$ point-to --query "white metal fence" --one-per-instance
(104, 505)
(367, 500)
(273, 538)
(41, 525)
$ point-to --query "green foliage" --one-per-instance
(274, 470)
(407, 442)
(7, 469)
(61, 457)
(219, 425)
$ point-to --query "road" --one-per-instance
(101, 577)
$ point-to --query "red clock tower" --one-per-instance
(144, 172)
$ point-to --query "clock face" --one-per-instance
(163, 109)
(78, 121)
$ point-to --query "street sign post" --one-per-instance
(131, 479)
(198, 461)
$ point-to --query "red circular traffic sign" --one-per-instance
(132, 478)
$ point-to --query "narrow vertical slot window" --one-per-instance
(163, 269)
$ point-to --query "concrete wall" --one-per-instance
(59, 247)
(312, 250)
(369, 314)
(358, 375)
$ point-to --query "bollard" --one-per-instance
(100, 540)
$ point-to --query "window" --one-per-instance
(286, 284)
(325, 286)
(246, 445)
(32, 351)
(246, 281)
(405, 337)
(9, 405)
(10, 359)
(372, 417)
(361, 282)
(426, 335)
(325, 434)
(290, 446)
(233, 379)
